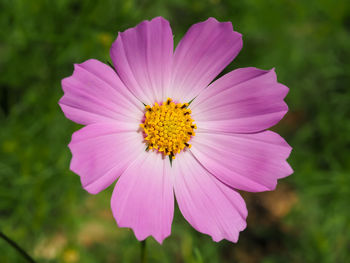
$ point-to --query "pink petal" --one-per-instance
(250, 162)
(142, 57)
(243, 101)
(102, 151)
(143, 197)
(207, 204)
(94, 93)
(206, 49)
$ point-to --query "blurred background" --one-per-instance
(45, 210)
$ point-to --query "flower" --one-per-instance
(161, 124)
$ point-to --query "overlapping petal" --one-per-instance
(206, 49)
(143, 197)
(207, 204)
(94, 93)
(143, 58)
(250, 162)
(102, 151)
(245, 100)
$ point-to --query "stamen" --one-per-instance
(168, 127)
(184, 105)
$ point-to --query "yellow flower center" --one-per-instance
(168, 127)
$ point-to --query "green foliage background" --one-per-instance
(42, 204)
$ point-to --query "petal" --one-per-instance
(102, 151)
(94, 93)
(250, 162)
(143, 58)
(207, 204)
(143, 197)
(206, 49)
(245, 100)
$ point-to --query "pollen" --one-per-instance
(168, 127)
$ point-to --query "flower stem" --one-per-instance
(143, 251)
(17, 247)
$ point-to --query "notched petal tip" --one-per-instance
(160, 18)
(158, 238)
(226, 25)
(214, 20)
(140, 236)
(145, 23)
(74, 167)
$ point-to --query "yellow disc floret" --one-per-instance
(168, 127)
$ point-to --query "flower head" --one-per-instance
(162, 125)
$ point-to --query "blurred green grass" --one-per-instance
(42, 205)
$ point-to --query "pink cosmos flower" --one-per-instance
(141, 129)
